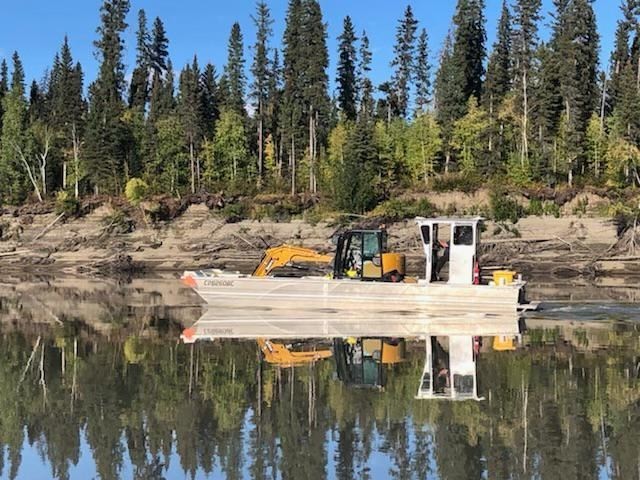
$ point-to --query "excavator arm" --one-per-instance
(286, 255)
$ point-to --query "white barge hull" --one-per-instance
(353, 298)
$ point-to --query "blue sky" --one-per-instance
(35, 28)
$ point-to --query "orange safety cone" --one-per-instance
(476, 273)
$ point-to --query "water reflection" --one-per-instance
(79, 400)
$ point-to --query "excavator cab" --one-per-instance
(362, 255)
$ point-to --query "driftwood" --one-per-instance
(17, 252)
(48, 227)
(619, 259)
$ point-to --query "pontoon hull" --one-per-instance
(356, 299)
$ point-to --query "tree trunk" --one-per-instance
(198, 181)
(292, 164)
(280, 153)
(64, 175)
(602, 111)
(525, 120)
(192, 165)
(29, 172)
(260, 144)
(569, 154)
(491, 124)
(76, 159)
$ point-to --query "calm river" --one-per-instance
(95, 382)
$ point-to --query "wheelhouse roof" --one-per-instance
(449, 220)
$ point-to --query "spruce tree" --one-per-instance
(209, 101)
(498, 82)
(293, 68)
(356, 177)
(159, 48)
(620, 54)
(139, 88)
(422, 73)
(36, 111)
(105, 136)
(315, 56)
(403, 63)
(346, 80)
(190, 116)
(13, 140)
(469, 49)
(575, 36)
(305, 104)
(499, 69)
(526, 16)
(4, 86)
(364, 81)
(447, 97)
(234, 71)
(260, 70)
(274, 97)
(66, 105)
(161, 99)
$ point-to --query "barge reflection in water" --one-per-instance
(117, 396)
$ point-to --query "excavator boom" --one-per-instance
(286, 255)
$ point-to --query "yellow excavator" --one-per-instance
(360, 255)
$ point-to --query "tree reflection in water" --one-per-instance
(155, 408)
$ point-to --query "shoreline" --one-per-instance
(568, 246)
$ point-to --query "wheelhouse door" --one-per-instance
(462, 253)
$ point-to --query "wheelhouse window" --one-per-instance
(463, 235)
(426, 234)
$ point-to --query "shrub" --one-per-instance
(235, 212)
(535, 208)
(505, 209)
(552, 209)
(399, 209)
(136, 190)
(461, 182)
(66, 203)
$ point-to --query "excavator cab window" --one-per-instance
(359, 255)
(354, 256)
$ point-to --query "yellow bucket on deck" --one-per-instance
(503, 277)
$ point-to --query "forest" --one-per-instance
(515, 113)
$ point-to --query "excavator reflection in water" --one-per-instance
(359, 362)
(449, 373)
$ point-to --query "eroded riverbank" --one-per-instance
(97, 244)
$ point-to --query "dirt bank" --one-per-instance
(103, 242)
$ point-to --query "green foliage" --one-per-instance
(399, 209)
(519, 173)
(623, 159)
(167, 172)
(13, 177)
(462, 182)
(356, 190)
(539, 208)
(67, 204)
(423, 147)
(468, 138)
(504, 208)
(136, 190)
(282, 211)
(236, 211)
(227, 157)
